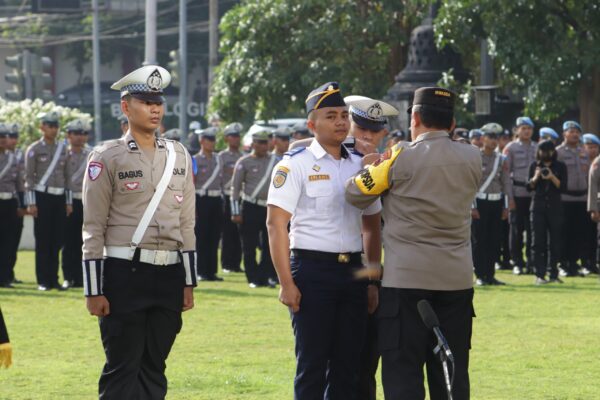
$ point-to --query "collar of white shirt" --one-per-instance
(319, 152)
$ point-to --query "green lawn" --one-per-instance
(529, 342)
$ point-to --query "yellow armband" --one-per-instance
(374, 178)
(5, 355)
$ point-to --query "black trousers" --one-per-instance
(546, 220)
(486, 238)
(48, 230)
(406, 344)
(15, 247)
(145, 317)
(209, 211)
(574, 228)
(72, 254)
(369, 361)
(504, 254)
(231, 245)
(8, 216)
(519, 223)
(329, 329)
(254, 225)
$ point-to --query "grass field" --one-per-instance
(529, 342)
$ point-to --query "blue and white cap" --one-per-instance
(145, 83)
(475, 133)
(571, 124)
(369, 113)
(548, 133)
(524, 121)
(590, 138)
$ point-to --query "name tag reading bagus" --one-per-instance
(131, 174)
(321, 177)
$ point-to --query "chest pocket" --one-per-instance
(320, 196)
(174, 193)
(520, 160)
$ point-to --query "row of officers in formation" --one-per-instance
(537, 199)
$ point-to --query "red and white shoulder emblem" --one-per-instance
(94, 170)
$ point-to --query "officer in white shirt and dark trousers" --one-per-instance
(316, 263)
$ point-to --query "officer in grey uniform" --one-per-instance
(520, 154)
(138, 242)
(249, 189)
(46, 182)
(281, 142)
(503, 263)
(11, 183)
(593, 197)
(300, 131)
(77, 134)
(576, 221)
(193, 141)
(231, 246)
(428, 186)
(490, 207)
(209, 207)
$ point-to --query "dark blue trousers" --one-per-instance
(329, 329)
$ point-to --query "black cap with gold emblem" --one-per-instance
(434, 97)
(327, 95)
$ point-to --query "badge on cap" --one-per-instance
(375, 111)
(154, 81)
(94, 170)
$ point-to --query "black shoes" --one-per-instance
(489, 282)
(480, 282)
(44, 288)
(7, 285)
(213, 278)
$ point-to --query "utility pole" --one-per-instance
(150, 54)
(27, 73)
(486, 76)
(213, 40)
(183, 67)
(96, 71)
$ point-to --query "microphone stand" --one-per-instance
(444, 358)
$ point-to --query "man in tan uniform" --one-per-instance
(429, 186)
(490, 207)
(11, 182)
(249, 190)
(209, 210)
(139, 258)
(231, 246)
(77, 133)
(46, 182)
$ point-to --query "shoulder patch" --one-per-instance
(280, 176)
(294, 152)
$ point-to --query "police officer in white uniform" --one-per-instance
(328, 305)
(138, 242)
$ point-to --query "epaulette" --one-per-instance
(109, 144)
(294, 152)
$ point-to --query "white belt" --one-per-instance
(209, 193)
(489, 196)
(155, 257)
(228, 192)
(6, 195)
(78, 195)
(49, 189)
(249, 199)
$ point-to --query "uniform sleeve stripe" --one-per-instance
(93, 271)
(189, 264)
(69, 197)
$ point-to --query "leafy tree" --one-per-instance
(276, 51)
(548, 49)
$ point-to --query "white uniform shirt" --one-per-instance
(309, 184)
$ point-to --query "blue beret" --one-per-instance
(327, 95)
(590, 138)
(524, 121)
(548, 133)
(475, 133)
(571, 124)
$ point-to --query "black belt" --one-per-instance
(517, 183)
(575, 192)
(342, 258)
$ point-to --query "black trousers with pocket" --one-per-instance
(254, 235)
(486, 238)
(48, 229)
(406, 344)
(209, 220)
(72, 254)
(8, 216)
(231, 244)
(145, 317)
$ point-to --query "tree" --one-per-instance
(548, 49)
(276, 51)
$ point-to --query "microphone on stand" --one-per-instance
(442, 349)
(431, 321)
